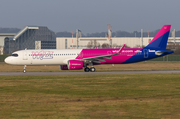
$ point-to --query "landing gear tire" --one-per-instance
(86, 69)
(92, 69)
(24, 71)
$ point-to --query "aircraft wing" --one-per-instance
(100, 58)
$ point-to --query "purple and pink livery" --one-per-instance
(74, 59)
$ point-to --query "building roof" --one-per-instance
(23, 30)
(7, 34)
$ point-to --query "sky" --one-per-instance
(90, 16)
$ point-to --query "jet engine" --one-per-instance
(72, 65)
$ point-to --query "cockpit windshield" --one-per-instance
(15, 55)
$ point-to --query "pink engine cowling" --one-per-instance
(75, 64)
(72, 65)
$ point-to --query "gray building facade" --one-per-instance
(27, 37)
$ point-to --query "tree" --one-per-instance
(90, 44)
(105, 45)
(93, 44)
(114, 45)
(96, 44)
(126, 46)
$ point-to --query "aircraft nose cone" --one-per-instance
(7, 60)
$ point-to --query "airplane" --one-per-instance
(75, 59)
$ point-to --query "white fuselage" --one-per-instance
(43, 57)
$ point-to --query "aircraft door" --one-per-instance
(25, 55)
(145, 53)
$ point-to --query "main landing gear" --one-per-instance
(92, 69)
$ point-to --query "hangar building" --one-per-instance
(101, 42)
(2, 37)
(91, 42)
(28, 37)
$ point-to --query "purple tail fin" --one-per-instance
(161, 38)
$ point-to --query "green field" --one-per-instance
(135, 96)
(2, 57)
(116, 67)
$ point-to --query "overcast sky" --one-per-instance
(90, 16)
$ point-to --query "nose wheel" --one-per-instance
(24, 71)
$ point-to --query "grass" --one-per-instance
(116, 67)
(94, 96)
(2, 57)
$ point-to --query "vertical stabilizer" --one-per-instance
(161, 38)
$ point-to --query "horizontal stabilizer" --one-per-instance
(163, 51)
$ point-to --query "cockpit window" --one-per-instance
(15, 55)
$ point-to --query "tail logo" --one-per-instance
(165, 27)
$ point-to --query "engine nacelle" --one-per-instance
(63, 67)
(72, 65)
(75, 64)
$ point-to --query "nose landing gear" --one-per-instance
(24, 71)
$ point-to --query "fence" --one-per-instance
(167, 58)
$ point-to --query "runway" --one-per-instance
(84, 73)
